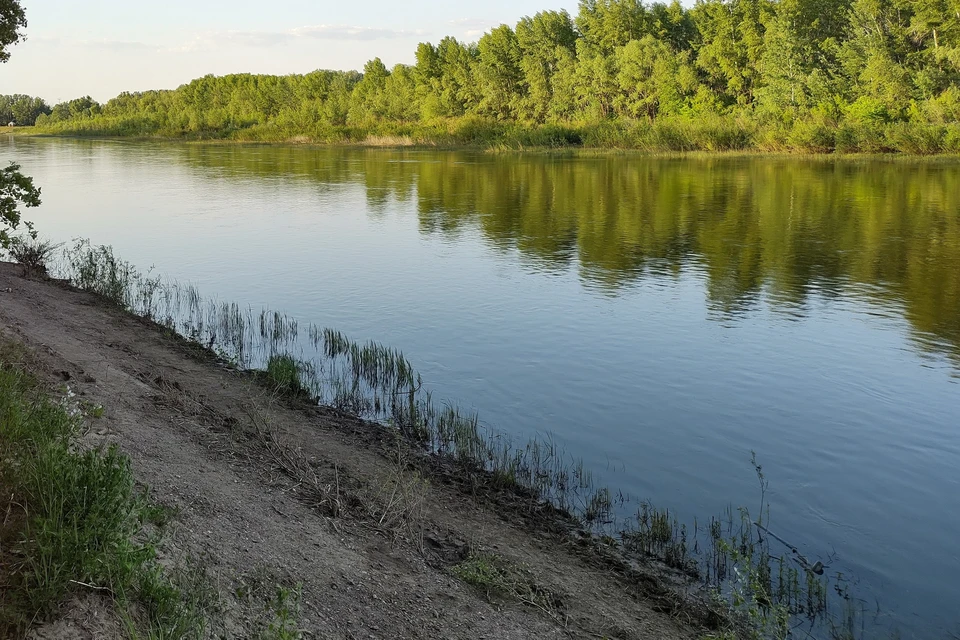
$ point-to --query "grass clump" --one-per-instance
(283, 373)
(74, 519)
(32, 254)
(499, 578)
(285, 610)
(275, 601)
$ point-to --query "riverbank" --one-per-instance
(287, 516)
(708, 135)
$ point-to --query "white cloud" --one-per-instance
(214, 40)
(473, 28)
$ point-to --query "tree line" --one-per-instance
(814, 74)
(22, 110)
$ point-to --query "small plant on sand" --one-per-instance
(285, 608)
(499, 578)
(32, 254)
(283, 373)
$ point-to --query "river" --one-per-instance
(659, 317)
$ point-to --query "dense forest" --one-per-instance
(814, 75)
(21, 109)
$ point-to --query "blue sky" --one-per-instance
(103, 47)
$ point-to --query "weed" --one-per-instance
(396, 500)
(91, 410)
(33, 255)
(283, 374)
(276, 604)
(285, 608)
(499, 578)
(80, 516)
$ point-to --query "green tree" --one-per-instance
(498, 73)
(21, 109)
(564, 102)
(596, 82)
(732, 44)
(16, 189)
(12, 22)
(799, 62)
(368, 102)
(609, 24)
(674, 25)
(401, 102)
(543, 40)
(876, 55)
(652, 79)
(460, 90)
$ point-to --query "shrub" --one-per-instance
(861, 138)
(916, 138)
(32, 254)
(811, 136)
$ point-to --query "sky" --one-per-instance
(103, 47)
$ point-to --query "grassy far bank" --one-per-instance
(75, 522)
(712, 134)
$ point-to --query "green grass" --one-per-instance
(718, 132)
(285, 613)
(75, 519)
(283, 373)
(499, 578)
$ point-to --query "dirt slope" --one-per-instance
(266, 492)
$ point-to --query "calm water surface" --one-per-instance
(660, 318)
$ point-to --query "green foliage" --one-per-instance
(499, 578)
(22, 110)
(283, 373)
(12, 21)
(285, 609)
(33, 254)
(96, 269)
(80, 517)
(726, 74)
(16, 190)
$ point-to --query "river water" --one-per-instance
(660, 318)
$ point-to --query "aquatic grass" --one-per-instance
(730, 556)
(283, 373)
(369, 379)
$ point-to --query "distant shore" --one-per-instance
(354, 139)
